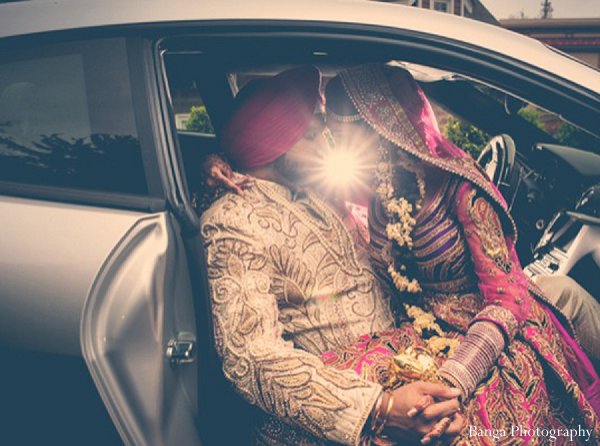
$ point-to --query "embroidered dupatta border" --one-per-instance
(369, 89)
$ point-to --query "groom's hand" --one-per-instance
(440, 416)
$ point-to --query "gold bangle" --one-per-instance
(376, 411)
(386, 415)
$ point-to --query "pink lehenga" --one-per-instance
(466, 264)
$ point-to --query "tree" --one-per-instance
(532, 115)
(466, 136)
(565, 133)
(199, 120)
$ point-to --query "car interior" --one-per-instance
(203, 76)
(206, 76)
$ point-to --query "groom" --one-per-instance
(288, 283)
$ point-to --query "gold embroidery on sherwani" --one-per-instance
(292, 278)
(285, 287)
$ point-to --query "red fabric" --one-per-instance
(420, 113)
(489, 248)
(271, 117)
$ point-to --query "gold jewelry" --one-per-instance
(386, 414)
(377, 410)
(329, 138)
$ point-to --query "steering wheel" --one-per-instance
(498, 159)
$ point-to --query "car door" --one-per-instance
(97, 270)
(138, 335)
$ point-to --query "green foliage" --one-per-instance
(533, 116)
(199, 121)
(472, 140)
(571, 136)
(565, 134)
(466, 136)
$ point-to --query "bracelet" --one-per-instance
(476, 354)
(386, 415)
(501, 317)
(449, 380)
(376, 411)
(461, 376)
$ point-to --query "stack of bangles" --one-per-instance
(473, 360)
(381, 412)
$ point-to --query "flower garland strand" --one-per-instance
(399, 212)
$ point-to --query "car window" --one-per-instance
(551, 124)
(67, 118)
(561, 130)
(189, 109)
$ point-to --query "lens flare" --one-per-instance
(341, 168)
(344, 166)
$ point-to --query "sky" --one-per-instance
(503, 9)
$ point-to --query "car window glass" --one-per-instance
(189, 109)
(551, 124)
(562, 131)
(67, 118)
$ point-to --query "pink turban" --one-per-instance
(270, 116)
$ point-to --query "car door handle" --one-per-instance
(180, 351)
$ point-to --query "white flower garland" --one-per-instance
(399, 212)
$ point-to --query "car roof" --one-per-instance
(36, 16)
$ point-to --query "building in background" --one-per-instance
(578, 37)
(473, 9)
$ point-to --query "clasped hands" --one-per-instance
(423, 411)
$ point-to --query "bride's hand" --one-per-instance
(433, 420)
(448, 424)
(218, 173)
(446, 428)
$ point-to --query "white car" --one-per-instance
(104, 322)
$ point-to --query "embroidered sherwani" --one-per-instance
(287, 284)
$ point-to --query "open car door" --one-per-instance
(138, 336)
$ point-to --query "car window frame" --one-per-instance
(506, 74)
(139, 80)
(444, 53)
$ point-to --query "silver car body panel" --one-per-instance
(29, 17)
(140, 300)
(51, 254)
